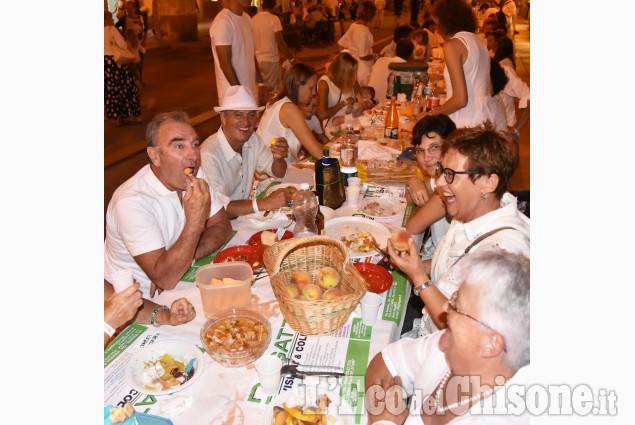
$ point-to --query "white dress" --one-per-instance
(334, 97)
(270, 127)
(479, 84)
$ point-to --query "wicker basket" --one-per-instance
(310, 254)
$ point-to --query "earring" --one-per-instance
(483, 196)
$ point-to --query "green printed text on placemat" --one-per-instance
(190, 276)
(395, 299)
(409, 209)
(352, 390)
(123, 341)
(360, 331)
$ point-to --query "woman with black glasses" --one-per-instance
(474, 177)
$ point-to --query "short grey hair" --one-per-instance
(152, 131)
(503, 281)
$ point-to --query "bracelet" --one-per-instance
(153, 316)
(108, 329)
(254, 202)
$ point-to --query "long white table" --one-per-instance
(232, 395)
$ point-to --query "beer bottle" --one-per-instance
(391, 122)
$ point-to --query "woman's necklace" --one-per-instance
(439, 393)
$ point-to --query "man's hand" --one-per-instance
(278, 198)
(197, 202)
(154, 289)
(181, 311)
(280, 150)
(122, 306)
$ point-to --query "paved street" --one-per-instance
(180, 75)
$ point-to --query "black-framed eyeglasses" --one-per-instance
(452, 304)
(450, 173)
(431, 150)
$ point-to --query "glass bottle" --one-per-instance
(319, 219)
(391, 122)
(348, 154)
(305, 208)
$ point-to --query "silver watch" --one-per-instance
(417, 289)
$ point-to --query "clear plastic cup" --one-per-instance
(352, 195)
(370, 307)
(121, 279)
(268, 369)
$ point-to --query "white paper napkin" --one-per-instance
(274, 219)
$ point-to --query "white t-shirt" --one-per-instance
(421, 365)
(143, 215)
(359, 41)
(229, 29)
(265, 25)
(379, 76)
(314, 124)
(230, 173)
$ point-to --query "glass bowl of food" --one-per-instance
(236, 337)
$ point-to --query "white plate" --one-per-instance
(328, 213)
(338, 408)
(381, 207)
(278, 186)
(180, 351)
(344, 226)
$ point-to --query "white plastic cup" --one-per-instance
(370, 307)
(121, 280)
(352, 195)
(268, 369)
(354, 181)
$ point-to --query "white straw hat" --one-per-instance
(237, 98)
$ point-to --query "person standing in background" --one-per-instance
(359, 41)
(267, 35)
(233, 48)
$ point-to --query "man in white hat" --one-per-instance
(230, 156)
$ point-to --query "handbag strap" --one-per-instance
(479, 239)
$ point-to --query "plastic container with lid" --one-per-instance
(227, 295)
(305, 208)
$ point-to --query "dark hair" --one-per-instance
(294, 77)
(268, 4)
(402, 31)
(484, 6)
(440, 124)
(487, 151)
(367, 11)
(404, 48)
(454, 16)
(369, 89)
(415, 25)
(504, 49)
(152, 130)
(428, 23)
(498, 77)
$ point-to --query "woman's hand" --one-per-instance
(181, 311)
(418, 191)
(408, 261)
(122, 306)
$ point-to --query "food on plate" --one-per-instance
(301, 279)
(359, 242)
(240, 257)
(165, 372)
(309, 414)
(312, 292)
(332, 293)
(397, 165)
(400, 239)
(377, 209)
(120, 414)
(268, 238)
(235, 334)
(292, 290)
(328, 278)
(187, 171)
(222, 281)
